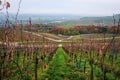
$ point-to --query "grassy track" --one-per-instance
(58, 69)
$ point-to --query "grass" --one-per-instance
(109, 36)
(65, 67)
(57, 69)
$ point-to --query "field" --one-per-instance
(45, 56)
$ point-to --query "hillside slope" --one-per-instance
(105, 20)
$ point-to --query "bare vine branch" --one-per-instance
(18, 11)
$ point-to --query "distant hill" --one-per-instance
(60, 19)
(40, 18)
(106, 20)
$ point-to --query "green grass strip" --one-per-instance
(58, 69)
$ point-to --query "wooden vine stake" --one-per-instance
(0, 2)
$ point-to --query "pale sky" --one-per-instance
(79, 7)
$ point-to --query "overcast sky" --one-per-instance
(79, 7)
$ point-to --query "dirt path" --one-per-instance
(42, 36)
(48, 37)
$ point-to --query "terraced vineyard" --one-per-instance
(58, 57)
